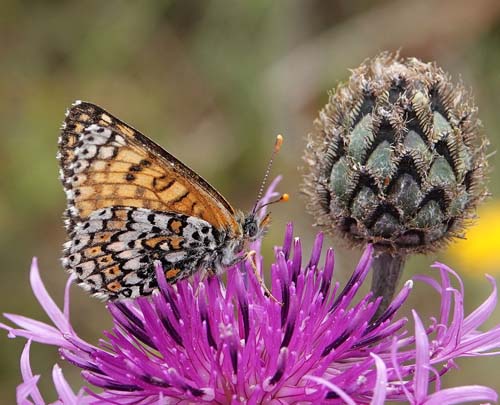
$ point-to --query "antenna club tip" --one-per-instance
(285, 197)
(279, 142)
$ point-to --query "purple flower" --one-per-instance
(217, 342)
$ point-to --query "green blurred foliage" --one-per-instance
(213, 82)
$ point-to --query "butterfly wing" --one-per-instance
(114, 250)
(106, 163)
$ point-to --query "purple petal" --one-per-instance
(67, 289)
(473, 344)
(482, 313)
(316, 251)
(27, 375)
(35, 330)
(287, 242)
(422, 360)
(46, 300)
(25, 390)
(380, 390)
(332, 387)
(460, 395)
(66, 394)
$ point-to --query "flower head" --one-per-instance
(397, 157)
(227, 342)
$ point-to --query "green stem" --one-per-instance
(387, 271)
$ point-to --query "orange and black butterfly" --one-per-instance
(131, 204)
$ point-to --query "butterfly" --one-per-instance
(131, 204)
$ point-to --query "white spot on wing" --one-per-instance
(141, 226)
(129, 236)
(120, 140)
(96, 138)
(75, 259)
(105, 213)
(95, 225)
(86, 151)
(79, 242)
(96, 278)
(87, 268)
(84, 285)
(133, 264)
(135, 292)
(117, 247)
(132, 278)
(162, 220)
(73, 210)
(127, 254)
(141, 215)
(106, 152)
(101, 296)
(79, 166)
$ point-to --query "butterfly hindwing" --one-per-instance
(106, 163)
(114, 250)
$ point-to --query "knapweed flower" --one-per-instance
(229, 343)
(397, 158)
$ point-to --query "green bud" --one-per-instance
(396, 157)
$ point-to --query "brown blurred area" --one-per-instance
(213, 82)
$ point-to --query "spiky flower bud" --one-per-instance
(396, 157)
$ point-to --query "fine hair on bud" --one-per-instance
(397, 157)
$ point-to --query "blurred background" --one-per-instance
(214, 82)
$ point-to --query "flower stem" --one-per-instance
(387, 269)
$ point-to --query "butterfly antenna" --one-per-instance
(277, 147)
(282, 198)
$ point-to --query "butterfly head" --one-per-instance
(254, 225)
(251, 229)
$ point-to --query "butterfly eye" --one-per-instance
(251, 228)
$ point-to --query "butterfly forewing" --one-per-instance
(130, 204)
(107, 163)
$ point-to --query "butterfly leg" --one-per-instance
(250, 256)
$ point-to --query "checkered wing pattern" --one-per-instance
(114, 250)
(130, 203)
